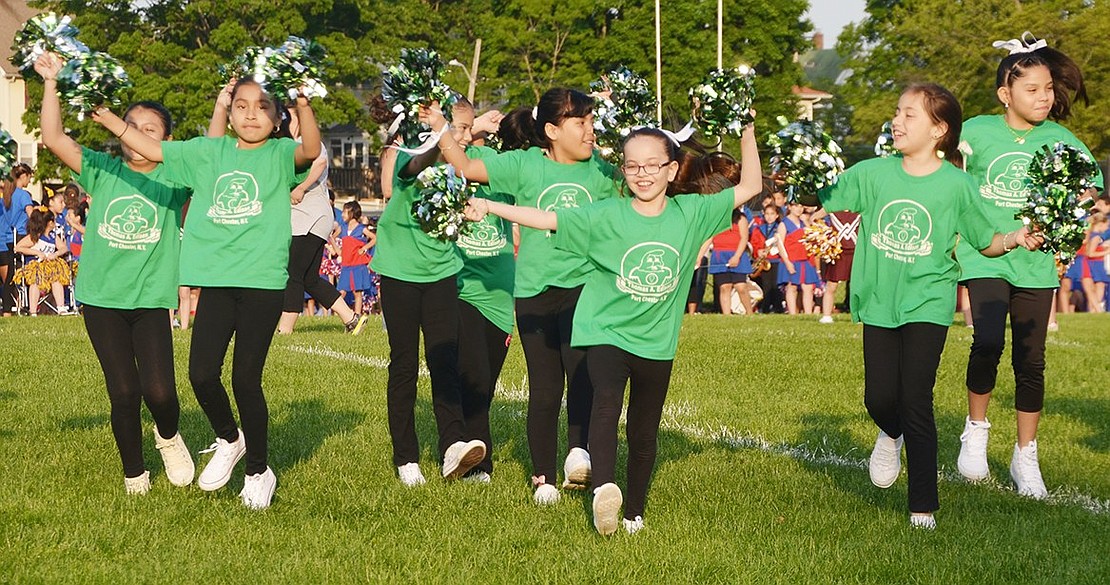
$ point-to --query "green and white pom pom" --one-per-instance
(91, 80)
(9, 152)
(42, 34)
(443, 197)
(1059, 176)
(884, 144)
(286, 71)
(630, 104)
(805, 157)
(416, 81)
(723, 100)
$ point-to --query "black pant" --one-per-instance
(482, 350)
(305, 254)
(409, 308)
(610, 370)
(769, 284)
(135, 349)
(250, 314)
(11, 296)
(544, 324)
(900, 370)
(992, 299)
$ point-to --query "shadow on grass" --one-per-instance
(7, 395)
(299, 427)
(84, 423)
(1093, 412)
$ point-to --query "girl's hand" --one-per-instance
(1031, 241)
(733, 262)
(431, 115)
(296, 195)
(476, 209)
(48, 65)
(224, 97)
(789, 266)
(489, 122)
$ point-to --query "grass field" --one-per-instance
(761, 475)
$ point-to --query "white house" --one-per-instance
(13, 91)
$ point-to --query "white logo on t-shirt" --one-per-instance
(563, 196)
(235, 198)
(903, 231)
(1008, 180)
(649, 272)
(129, 222)
(484, 239)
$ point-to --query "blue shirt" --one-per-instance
(17, 215)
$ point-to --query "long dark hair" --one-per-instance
(7, 186)
(1067, 78)
(517, 129)
(37, 222)
(943, 108)
(556, 105)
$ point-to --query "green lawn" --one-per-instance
(761, 475)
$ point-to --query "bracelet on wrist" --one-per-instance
(125, 128)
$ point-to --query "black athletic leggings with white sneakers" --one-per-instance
(250, 315)
(611, 369)
(482, 350)
(135, 349)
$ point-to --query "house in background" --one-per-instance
(13, 91)
(354, 164)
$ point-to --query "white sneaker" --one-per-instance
(972, 461)
(1026, 472)
(258, 489)
(825, 320)
(885, 460)
(577, 469)
(923, 521)
(477, 477)
(410, 475)
(218, 470)
(633, 526)
(137, 486)
(462, 457)
(546, 495)
(176, 459)
(1054, 326)
(607, 508)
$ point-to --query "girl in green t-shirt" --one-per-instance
(904, 279)
(128, 280)
(560, 170)
(236, 248)
(1036, 85)
(642, 251)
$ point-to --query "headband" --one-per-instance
(1022, 45)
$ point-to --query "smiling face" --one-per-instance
(573, 139)
(914, 130)
(641, 155)
(1031, 96)
(462, 121)
(254, 115)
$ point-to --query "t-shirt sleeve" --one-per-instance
(288, 150)
(92, 165)
(712, 213)
(180, 159)
(573, 233)
(399, 165)
(846, 194)
(971, 221)
(505, 171)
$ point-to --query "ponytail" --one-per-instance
(943, 108)
(556, 105)
(1067, 78)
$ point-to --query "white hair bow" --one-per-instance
(1026, 44)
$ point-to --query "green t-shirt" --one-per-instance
(404, 251)
(237, 231)
(635, 292)
(132, 236)
(999, 165)
(536, 181)
(486, 278)
(903, 270)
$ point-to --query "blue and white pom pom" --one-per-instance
(414, 82)
(1056, 207)
(443, 196)
(623, 102)
(91, 80)
(723, 100)
(45, 33)
(884, 144)
(804, 157)
(286, 71)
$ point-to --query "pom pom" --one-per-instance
(624, 102)
(805, 157)
(9, 152)
(722, 102)
(884, 144)
(45, 33)
(1059, 176)
(443, 197)
(91, 80)
(414, 82)
(821, 242)
(286, 71)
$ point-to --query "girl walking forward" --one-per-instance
(560, 171)
(129, 272)
(239, 225)
(642, 252)
(1034, 84)
(904, 279)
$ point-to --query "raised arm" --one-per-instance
(751, 173)
(139, 142)
(477, 208)
(473, 169)
(53, 132)
(217, 125)
(309, 148)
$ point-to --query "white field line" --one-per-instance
(676, 416)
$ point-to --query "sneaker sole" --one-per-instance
(222, 481)
(607, 508)
(970, 476)
(471, 457)
(578, 479)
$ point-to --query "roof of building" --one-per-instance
(13, 13)
(810, 93)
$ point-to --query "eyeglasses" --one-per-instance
(632, 169)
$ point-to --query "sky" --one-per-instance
(830, 16)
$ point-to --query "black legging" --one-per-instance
(11, 297)
(135, 349)
(544, 324)
(305, 254)
(992, 299)
(409, 308)
(900, 370)
(482, 350)
(251, 315)
(772, 295)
